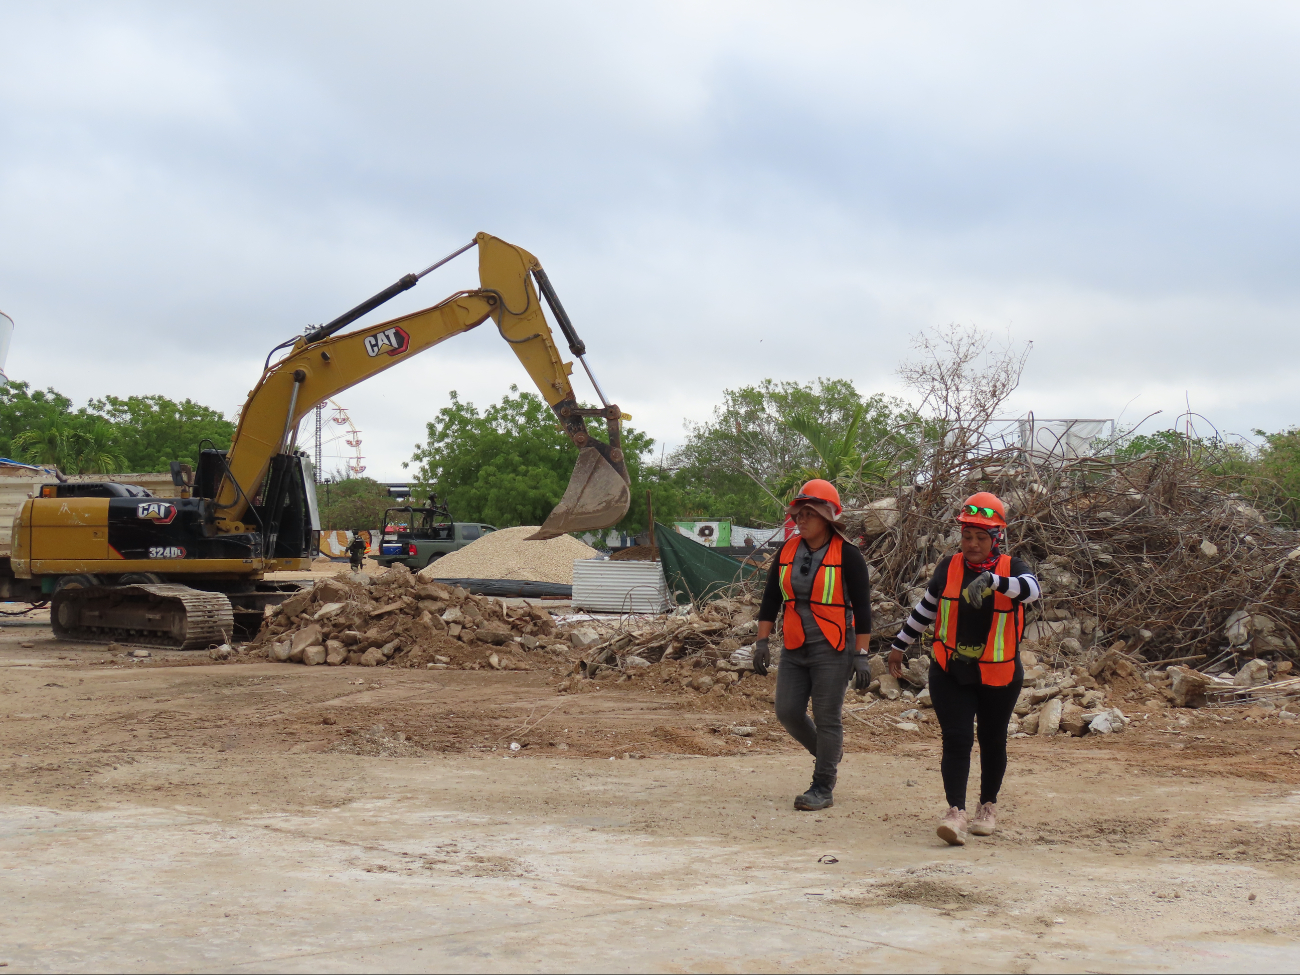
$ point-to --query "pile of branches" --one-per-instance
(1157, 551)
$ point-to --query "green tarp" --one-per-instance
(694, 572)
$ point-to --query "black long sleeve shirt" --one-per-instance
(857, 588)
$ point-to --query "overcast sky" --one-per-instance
(720, 193)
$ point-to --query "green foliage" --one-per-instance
(766, 440)
(510, 464)
(1164, 442)
(353, 504)
(153, 431)
(138, 435)
(1279, 462)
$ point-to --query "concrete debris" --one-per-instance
(1108, 722)
(1253, 673)
(1049, 721)
(397, 619)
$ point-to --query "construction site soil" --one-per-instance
(173, 812)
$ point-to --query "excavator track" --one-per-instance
(172, 616)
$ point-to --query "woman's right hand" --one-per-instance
(896, 658)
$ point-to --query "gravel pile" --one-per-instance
(504, 554)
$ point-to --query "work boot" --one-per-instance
(952, 829)
(983, 823)
(817, 797)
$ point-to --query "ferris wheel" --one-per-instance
(338, 441)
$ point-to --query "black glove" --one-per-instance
(980, 586)
(762, 657)
(861, 672)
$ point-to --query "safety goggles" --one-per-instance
(974, 509)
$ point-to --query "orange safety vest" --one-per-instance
(998, 660)
(826, 599)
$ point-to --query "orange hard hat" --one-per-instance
(819, 490)
(983, 510)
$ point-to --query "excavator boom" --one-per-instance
(321, 364)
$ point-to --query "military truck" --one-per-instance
(417, 536)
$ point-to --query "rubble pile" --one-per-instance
(397, 619)
(708, 650)
(1154, 552)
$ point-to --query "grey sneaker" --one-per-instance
(984, 821)
(952, 829)
(817, 797)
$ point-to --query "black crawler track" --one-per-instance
(164, 615)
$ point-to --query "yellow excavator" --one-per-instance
(117, 563)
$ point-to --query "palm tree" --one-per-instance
(46, 443)
(95, 448)
(839, 458)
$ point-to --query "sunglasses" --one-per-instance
(974, 509)
(807, 565)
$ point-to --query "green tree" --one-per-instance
(764, 440)
(23, 410)
(153, 431)
(1279, 462)
(353, 504)
(510, 464)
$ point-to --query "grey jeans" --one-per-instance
(820, 673)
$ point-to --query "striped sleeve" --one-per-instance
(923, 615)
(1022, 588)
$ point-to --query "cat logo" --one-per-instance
(159, 512)
(167, 552)
(393, 340)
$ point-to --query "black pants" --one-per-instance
(820, 673)
(957, 706)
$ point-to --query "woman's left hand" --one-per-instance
(896, 658)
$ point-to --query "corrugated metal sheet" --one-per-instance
(606, 586)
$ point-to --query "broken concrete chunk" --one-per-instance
(494, 633)
(1049, 720)
(1254, 673)
(329, 609)
(1188, 687)
(1072, 721)
(306, 637)
(584, 636)
(314, 656)
(373, 657)
(390, 648)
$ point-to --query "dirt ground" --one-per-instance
(176, 814)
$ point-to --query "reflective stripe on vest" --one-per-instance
(826, 598)
(997, 660)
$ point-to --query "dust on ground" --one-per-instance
(172, 812)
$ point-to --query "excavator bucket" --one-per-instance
(597, 497)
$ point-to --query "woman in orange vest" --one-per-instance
(819, 583)
(976, 670)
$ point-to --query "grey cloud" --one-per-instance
(719, 192)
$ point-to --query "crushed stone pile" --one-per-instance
(504, 554)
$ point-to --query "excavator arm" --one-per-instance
(320, 365)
